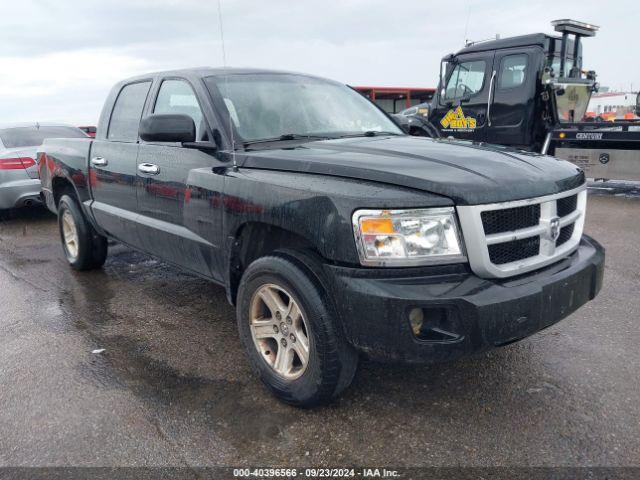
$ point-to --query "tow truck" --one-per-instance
(529, 92)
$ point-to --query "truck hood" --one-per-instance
(466, 172)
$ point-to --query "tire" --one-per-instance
(88, 250)
(331, 363)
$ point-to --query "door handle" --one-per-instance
(149, 168)
(493, 76)
(99, 162)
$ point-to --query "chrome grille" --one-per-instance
(501, 253)
(565, 234)
(498, 221)
(510, 238)
(567, 205)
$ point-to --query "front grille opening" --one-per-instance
(501, 253)
(566, 233)
(567, 205)
(509, 219)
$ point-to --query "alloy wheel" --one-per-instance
(279, 331)
(70, 234)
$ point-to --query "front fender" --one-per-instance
(317, 208)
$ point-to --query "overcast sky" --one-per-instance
(58, 58)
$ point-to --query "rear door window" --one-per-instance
(513, 71)
(125, 117)
(466, 80)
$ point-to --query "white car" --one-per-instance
(19, 181)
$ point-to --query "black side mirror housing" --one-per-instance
(167, 127)
(402, 122)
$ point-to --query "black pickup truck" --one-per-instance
(333, 232)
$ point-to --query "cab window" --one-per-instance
(466, 79)
(554, 63)
(513, 71)
(125, 117)
(177, 96)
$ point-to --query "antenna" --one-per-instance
(466, 25)
(226, 83)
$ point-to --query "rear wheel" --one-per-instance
(290, 334)
(84, 248)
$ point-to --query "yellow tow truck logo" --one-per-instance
(456, 120)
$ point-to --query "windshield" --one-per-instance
(34, 136)
(466, 80)
(266, 106)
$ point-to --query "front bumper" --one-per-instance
(474, 314)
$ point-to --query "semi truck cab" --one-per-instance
(512, 91)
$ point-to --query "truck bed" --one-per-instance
(70, 156)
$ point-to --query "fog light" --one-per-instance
(416, 318)
(438, 324)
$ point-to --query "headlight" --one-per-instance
(407, 237)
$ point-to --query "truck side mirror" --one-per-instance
(167, 127)
(402, 122)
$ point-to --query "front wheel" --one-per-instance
(84, 248)
(289, 331)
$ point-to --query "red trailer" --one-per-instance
(396, 99)
(89, 130)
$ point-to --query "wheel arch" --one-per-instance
(60, 185)
(253, 240)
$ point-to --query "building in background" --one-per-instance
(396, 99)
(612, 105)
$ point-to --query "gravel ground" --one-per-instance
(173, 386)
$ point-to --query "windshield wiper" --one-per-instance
(373, 133)
(286, 136)
(370, 133)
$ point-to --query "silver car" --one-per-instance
(19, 181)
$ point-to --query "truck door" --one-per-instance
(164, 192)
(461, 107)
(510, 118)
(112, 165)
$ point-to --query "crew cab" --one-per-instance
(333, 232)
